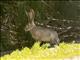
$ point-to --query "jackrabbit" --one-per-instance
(40, 33)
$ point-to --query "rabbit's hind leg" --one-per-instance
(54, 42)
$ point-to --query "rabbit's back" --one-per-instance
(44, 34)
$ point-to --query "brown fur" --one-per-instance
(40, 33)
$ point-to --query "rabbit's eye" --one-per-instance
(29, 24)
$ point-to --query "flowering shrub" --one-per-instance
(38, 52)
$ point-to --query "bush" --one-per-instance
(38, 52)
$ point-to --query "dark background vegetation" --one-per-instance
(62, 16)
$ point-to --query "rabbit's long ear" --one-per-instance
(30, 14)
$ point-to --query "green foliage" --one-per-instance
(60, 16)
(41, 53)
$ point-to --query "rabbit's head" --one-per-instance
(31, 16)
(29, 27)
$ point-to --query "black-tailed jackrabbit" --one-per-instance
(40, 33)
